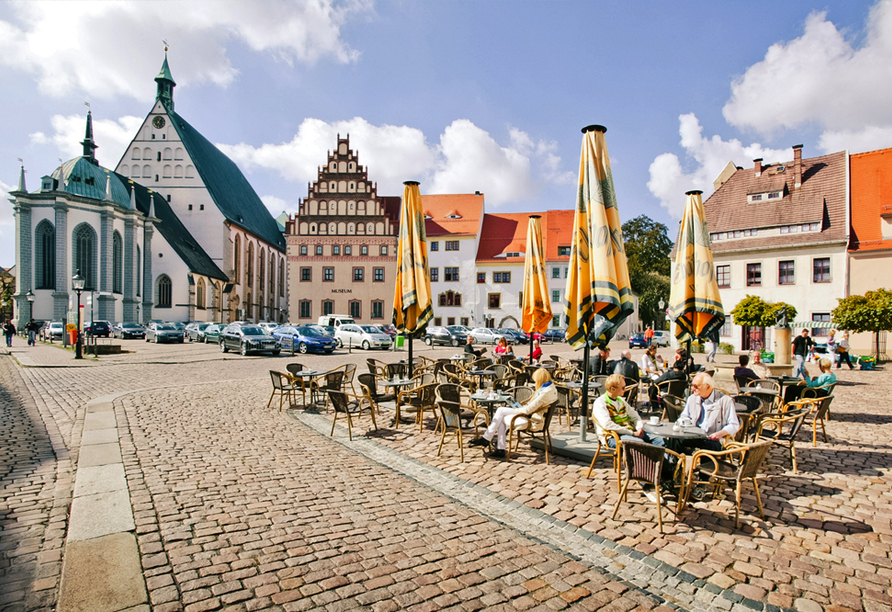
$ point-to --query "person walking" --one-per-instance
(831, 346)
(649, 335)
(842, 348)
(801, 347)
(9, 330)
(32, 328)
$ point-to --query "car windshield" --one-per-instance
(131, 325)
(371, 329)
(252, 331)
(310, 332)
(455, 329)
(166, 328)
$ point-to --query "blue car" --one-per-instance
(304, 339)
(638, 341)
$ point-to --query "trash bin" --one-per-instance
(400, 341)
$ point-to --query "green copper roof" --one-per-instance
(230, 190)
(165, 72)
(86, 179)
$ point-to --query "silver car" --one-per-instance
(163, 332)
(366, 336)
(484, 335)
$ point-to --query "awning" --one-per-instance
(815, 324)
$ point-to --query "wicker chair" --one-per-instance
(330, 381)
(819, 414)
(378, 368)
(452, 411)
(397, 370)
(298, 382)
(521, 394)
(614, 453)
(644, 463)
(535, 425)
(729, 467)
(343, 404)
(743, 381)
(565, 404)
(416, 400)
(675, 387)
(369, 385)
(673, 406)
(771, 427)
(283, 385)
(631, 392)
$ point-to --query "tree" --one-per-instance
(871, 312)
(753, 311)
(7, 290)
(648, 246)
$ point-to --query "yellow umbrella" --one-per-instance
(412, 308)
(536, 303)
(694, 301)
(598, 295)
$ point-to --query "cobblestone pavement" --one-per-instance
(238, 505)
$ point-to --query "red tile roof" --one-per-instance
(820, 199)
(871, 199)
(507, 232)
(438, 207)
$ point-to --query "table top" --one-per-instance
(761, 390)
(397, 383)
(573, 384)
(486, 399)
(306, 373)
(666, 430)
(482, 372)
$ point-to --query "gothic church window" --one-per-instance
(45, 255)
(117, 263)
(84, 255)
(164, 292)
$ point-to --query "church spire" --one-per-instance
(90, 146)
(165, 84)
(22, 178)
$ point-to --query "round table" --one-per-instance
(667, 430)
(489, 402)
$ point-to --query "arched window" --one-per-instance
(272, 274)
(166, 173)
(84, 255)
(117, 263)
(45, 255)
(178, 154)
(138, 270)
(249, 311)
(271, 315)
(199, 294)
(147, 171)
(190, 171)
(164, 292)
(178, 171)
(168, 153)
(281, 277)
(249, 265)
(236, 257)
(135, 171)
(135, 153)
(261, 270)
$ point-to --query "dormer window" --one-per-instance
(757, 197)
(774, 195)
(453, 216)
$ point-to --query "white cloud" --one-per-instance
(112, 136)
(708, 156)
(62, 43)
(7, 228)
(276, 205)
(38, 138)
(467, 158)
(821, 79)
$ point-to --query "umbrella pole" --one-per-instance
(410, 355)
(531, 348)
(583, 409)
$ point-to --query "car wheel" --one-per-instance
(365, 345)
(302, 347)
(244, 349)
(455, 342)
(147, 338)
(156, 339)
(223, 348)
(340, 344)
(428, 341)
(276, 353)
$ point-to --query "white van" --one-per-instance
(336, 320)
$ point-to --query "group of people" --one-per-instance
(501, 349)
(9, 330)
(837, 351)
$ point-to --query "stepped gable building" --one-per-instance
(342, 245)
(870, 246)
(85, 217)
(780, 231)
(213, 200)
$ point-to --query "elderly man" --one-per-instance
(470, 350)
(626, 366)
(712, 411)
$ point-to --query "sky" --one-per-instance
(462, 96)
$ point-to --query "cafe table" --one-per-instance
(768, 396)
(667, 430)
(480, 375)
(309, 375)
(490, 401)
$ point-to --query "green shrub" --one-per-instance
(726, 349)
(697, 347)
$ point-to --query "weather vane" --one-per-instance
(87, 104)
(165, 45)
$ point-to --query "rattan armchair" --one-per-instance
(452, 411)
(772, 427)
(349, 405)
(644, 463)
(615, 453)
(416, 401)
(282, 385)
(369, 385)
(534, 425)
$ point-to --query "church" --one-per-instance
(175, 232)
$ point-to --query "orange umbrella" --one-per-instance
(536, 305)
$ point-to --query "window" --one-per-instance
(249, 267)
(199, 295)
(356, 309)
(85, 254)
(786, 273)
(336, 249)
(563, 251)
(435, 275)
(378, 275)
(281, 277)
(384, 250)
(753, 275)
(318, 249)
(236, 259)
(45, 256)
(555, 273)
(328, 274)
(327, 307)
(435, 246)
(363, 250)
(723, 276)
(821, 269)
(481, 277)
(303, 249)
(305, 309)
(377, 309)
(556, 321)
(138, 269)
(451, 245)
(438, 321)
(495, 301)
(165, 291)
(757, 197)
(727, 328)
(306, 275)
(501, 277)
(450, 275)
(358, 275)
(348, 250)
(821, 317)
(450, 298)
(774, 195)
(555, 296)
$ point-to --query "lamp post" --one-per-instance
(30, 297)
(662, 305)
(77, 283)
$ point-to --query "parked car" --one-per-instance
(515, 336)
(485, 335)
(248, 339)
(195, 330)
(442, 335)
(638, 341)
(390, 330)
(98, 329)
(328, 330)
(211, 333)
(662, 338)
(336, 320)
(53, 330)
(366, 336)
(181, 327)
(128, 330)
(163, 332)
(303, 339)
(268, 326)
(555, 334)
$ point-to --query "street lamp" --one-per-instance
(78, 282)
(662, 305)
(30, 297)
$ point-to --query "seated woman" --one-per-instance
(503, 349)
(649, 365)
(827, 377)
(546, 393)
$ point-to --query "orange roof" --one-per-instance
(557, 231)
(871, 199)
(503, 233)
(468, 205)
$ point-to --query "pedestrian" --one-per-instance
(649, 335)
(713, 340)
(801, 347)
(32, 328)
(842, 348)
(9, 330)
(831, 346)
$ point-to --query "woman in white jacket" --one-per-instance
(546, 394)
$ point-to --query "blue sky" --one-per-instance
(460, 95)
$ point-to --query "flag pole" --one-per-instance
(583, 409)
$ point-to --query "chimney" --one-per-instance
(797, 166)
(758, 163)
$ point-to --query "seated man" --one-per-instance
(712, 411)
(760, 369)
(743, 370)
(599, 363)
(676, 372)
(627, 367)
(469, 348)
(546, 393)
(612, 413)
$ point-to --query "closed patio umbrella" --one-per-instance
(694, 301)
(412, 308)
(598, 294)
(536, 303)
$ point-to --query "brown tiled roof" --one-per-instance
(820, 199)
(557, 230)
(469, 206)
(503, 233)
(871, 199)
